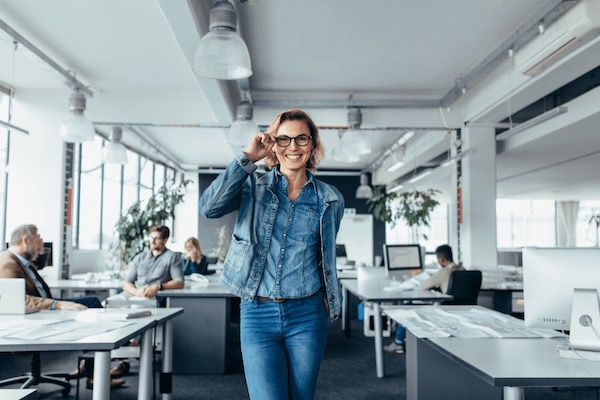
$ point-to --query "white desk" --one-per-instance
(489, 368)
(370, 287)
(18, 394)
(102, 344)
(201, 344)
(112, 286)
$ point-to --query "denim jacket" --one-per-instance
(253, 196)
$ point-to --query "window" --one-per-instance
(587, 231)
(103, 192)
(4, 138)
(525, 223)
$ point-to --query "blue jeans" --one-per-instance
(282, 347)
(400, 334)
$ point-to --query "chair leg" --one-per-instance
(15, 379)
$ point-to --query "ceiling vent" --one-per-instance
(577, 27)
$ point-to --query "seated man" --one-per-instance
(19, 262)
(152, 270)
(439, 280)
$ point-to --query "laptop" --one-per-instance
(12, 296)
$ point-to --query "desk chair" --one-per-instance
(35, 377)
(464, 287)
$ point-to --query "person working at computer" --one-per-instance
(192, 259)
(439, 280)
(281, 260)
(19, 262)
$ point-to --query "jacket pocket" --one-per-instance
(237, 253)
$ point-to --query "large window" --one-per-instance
(587, 231)
(4, 143)
(525, 223)
(103, 192)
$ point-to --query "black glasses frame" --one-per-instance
(285, 141)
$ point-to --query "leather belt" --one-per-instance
(261, 298)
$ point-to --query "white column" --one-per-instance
(477, 184)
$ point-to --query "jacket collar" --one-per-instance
(324, 192)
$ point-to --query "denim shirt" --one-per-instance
(292, 270)
(253, 196)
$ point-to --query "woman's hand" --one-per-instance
(259, 147)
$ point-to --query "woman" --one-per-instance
(192, 260)
(281, 260)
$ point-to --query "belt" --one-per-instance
(261, 298)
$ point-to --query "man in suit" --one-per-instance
(19, 262)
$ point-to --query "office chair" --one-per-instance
(464, 287)
(35, 377)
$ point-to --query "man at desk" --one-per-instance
(19, 262)
(152, 270)
(439, 280)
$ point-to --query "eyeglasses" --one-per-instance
(285, 141)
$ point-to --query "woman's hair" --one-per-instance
(196, 254)
(318, 151)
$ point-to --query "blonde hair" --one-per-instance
(317, 152)
(196, 254)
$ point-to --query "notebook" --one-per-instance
(12, 296)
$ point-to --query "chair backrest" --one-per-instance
(464, 287)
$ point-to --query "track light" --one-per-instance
(114, 151)
(77, 128)
(364, 191)
(243, 129)
(222, 54)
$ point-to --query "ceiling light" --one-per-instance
(243, 128)
(396, 159)
(396, 188)
(355, 140)
(406, 137)
(77, 128)
(364, 191)
(222, 54)
(114, 152)
(532, 122)
(420, 176)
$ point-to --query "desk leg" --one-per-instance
(101, 375)
(514, 393)
(378, 340)
(166, 376)
(346, 313)
(145, 380)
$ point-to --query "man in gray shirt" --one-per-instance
(156, 269)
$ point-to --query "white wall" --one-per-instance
(35, 166)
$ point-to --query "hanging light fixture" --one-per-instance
(338, 153)
(364, 191)
(243, 128)
(222, 54)
(77, 128)
(114, 152)
(354, 140)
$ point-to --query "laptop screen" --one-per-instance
(12, 296)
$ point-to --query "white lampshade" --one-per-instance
(77, 129)
(241, 132)
(222, 54)
(355, 142)
(364, 191)
(114, 153)
(338, 154)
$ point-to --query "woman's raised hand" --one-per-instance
(259, 147)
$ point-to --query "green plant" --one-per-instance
(414, 207)
(132, 227)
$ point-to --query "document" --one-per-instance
(63, 330)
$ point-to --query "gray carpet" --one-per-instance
(347, 372)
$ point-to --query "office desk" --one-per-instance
(18, 394)
(201, 338)
(102, 344)
(370, 287)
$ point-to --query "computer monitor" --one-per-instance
(44, 259)
(340, 250)
(401, 259)
(560, 291)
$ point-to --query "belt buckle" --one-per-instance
(278, 300)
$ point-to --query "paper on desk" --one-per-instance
(67, 330)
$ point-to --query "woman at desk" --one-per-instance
(192, 260)
(281, 260)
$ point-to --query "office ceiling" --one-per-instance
(405, 63)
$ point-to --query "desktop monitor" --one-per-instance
(44, 259)
(401, 259)
(560, 291)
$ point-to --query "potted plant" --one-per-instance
(414, 207)
(132, 228)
